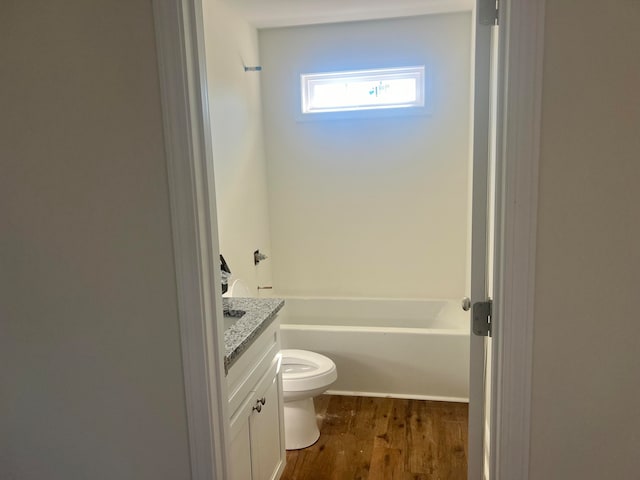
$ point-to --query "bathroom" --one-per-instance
(364, 218)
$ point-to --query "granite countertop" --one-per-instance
(259, 313)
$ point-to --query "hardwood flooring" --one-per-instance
(370, 438)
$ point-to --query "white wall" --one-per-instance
(238, 148)
(377, 206)
(586, 388)
(90, 364)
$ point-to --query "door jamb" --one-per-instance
(187, 137)
(182, 72)
(518, 148)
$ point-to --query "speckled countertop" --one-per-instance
(260, 312)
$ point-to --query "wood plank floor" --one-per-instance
(384, 439)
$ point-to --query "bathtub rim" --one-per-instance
(357, 329)
(445, 317)
(351, 298)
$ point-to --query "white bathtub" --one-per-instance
(385, 347)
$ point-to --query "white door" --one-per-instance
(482, 236)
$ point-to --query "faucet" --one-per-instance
(258, 257)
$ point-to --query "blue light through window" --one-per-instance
(363, 89)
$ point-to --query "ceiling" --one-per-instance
(281, 13)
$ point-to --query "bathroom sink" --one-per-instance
(231, 317)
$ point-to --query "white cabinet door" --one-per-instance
(267, 439)
(240, 446)
(257, 433)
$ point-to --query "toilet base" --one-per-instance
(300, 426)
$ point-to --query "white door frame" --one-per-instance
(179, 36)
(518, 151)
(194, 225)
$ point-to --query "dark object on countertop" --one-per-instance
(225, 268)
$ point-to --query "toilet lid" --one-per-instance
(299, 366)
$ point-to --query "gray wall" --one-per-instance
(586, 378)
(90, 366)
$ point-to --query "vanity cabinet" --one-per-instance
(255, 404)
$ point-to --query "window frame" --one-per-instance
(308, 81)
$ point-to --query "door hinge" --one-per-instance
(481, 321)
(488, 12)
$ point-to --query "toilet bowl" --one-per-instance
(304, 375)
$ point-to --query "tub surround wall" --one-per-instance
(375, 207)
(238, 150)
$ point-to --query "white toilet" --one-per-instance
(304, 375)
(237, 288)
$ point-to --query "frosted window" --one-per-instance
(363, 90)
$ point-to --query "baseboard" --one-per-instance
(434, 398)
